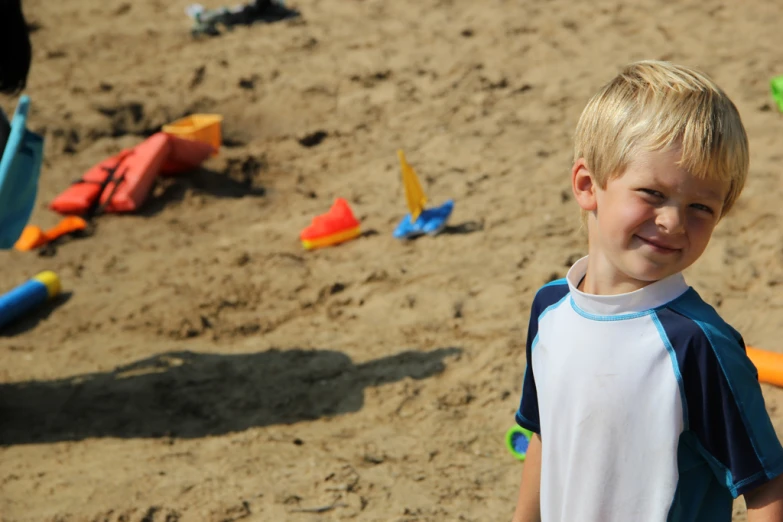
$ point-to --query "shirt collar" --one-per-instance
(651, 296)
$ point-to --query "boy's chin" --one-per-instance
(649, 272)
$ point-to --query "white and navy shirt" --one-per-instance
(648, 408)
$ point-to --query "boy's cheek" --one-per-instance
(703, 234)
(633, 214)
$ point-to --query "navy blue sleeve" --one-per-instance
(527, 414)
(724, 405)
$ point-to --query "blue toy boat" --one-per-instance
(431, 221)
(421, 220)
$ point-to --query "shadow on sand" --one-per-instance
(189, 394)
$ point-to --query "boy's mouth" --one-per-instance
(659, 245)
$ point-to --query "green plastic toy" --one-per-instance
(517, 441)
(776, 86)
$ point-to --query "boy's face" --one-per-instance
(652, 221)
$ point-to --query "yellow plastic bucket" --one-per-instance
(198, 127)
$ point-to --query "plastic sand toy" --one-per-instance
(336, 226)
(205, 128)
(517, 441)
(420, 220)
(20, 170)
(776, 86)
(34, 236)
(769, 365)
(28, 296)
(123, 182)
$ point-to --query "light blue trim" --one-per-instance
(675, 367)
(621, 317)
(556, 282)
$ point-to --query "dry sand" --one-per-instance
(204, 367)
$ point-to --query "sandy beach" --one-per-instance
(201, 365)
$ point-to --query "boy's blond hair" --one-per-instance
(652, 105)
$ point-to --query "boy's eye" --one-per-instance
(703, 208)
(651, 192)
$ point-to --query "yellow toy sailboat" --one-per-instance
(420, 220)
(414, 194)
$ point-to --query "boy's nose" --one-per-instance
(671, 219)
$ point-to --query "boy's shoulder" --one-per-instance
(548, 295)
(691, 321)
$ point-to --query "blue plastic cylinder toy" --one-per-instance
(28, 296)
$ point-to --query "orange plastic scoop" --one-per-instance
(769, 365)
(34, 236)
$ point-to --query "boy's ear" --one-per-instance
(583, 185)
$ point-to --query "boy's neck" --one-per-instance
(603, 279)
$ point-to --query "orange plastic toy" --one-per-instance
(77, 198)
(185, 155)
(123, 182)
(768, 364)
(134, 178)
(34, 237)
(205, 128)
(336, 226)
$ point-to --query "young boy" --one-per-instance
(643, 404)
